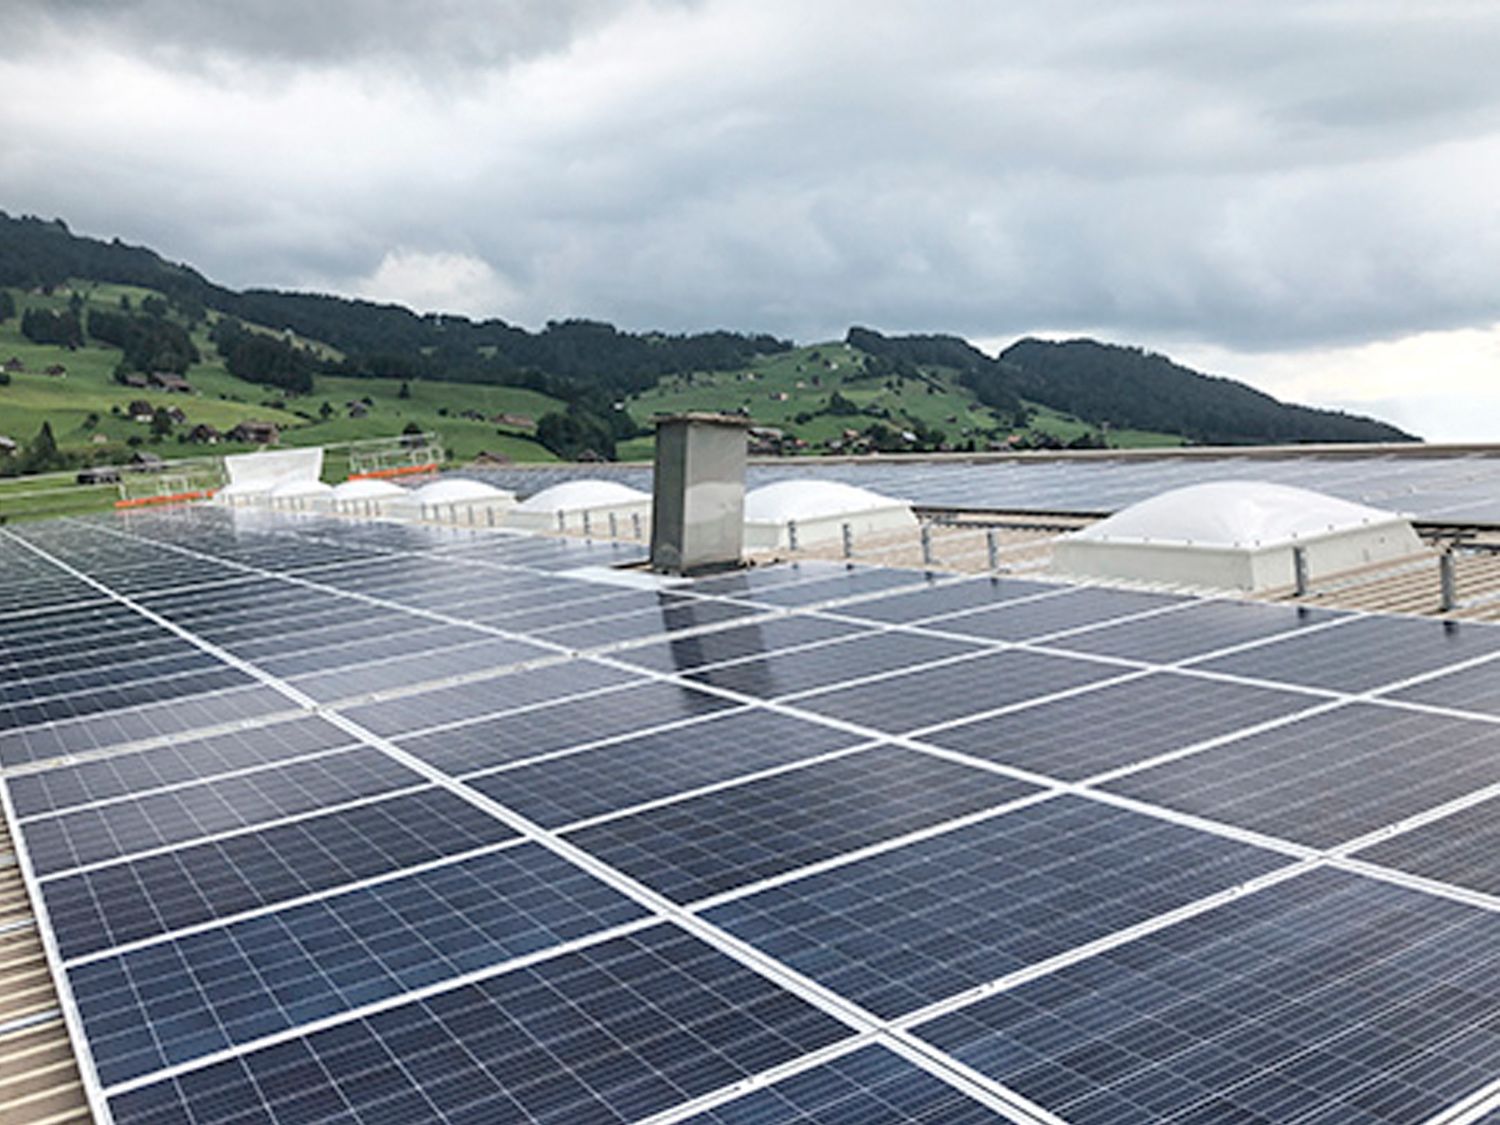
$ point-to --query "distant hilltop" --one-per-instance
(867, 392)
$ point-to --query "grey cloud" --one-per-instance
(435, 34)
(1266, 177)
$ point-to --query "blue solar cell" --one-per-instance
(786, 673)
(669, 619)
(169, 1003)
(146, 897)
(872, 1086)
(1070, 609)
(1364, 653)
(577, 786)
(405, 669)
(614, 1032)
(955, 597)
(927, 696)
(711, 843)
(1328, 778)
(1462, 849)
(86, 677)
(683, 653)
(92, 835)
(1118, 724)
(115, 698)
(137, 724)
(1195, 631)
(525, 734)
(853, 581)
(526, 688)
(1328, 998)
(905, 928)
(192, 759)
(1475, 689)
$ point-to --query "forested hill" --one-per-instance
(1130, 387)
(1124, 388)
(568, 358)
(594, 366)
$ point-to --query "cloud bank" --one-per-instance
(1279, 179)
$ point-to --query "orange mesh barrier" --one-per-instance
(399, 471)
(173, 498)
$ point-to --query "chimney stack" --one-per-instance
(698, 499)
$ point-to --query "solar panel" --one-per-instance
(735, 642)
(192, 759)
(812, 668)
(688, 876)
(1364, 654)
(953, 597)
(1461, 849)
(1329, 778)
(173, 890)
(474, 699)
(1327, 998)
(873, 1085)
(517, 735)
(905, 928)
(707, 844)
(928, 696)
(619, 1030)
(174, 1001)
(142, 723)
(1068, 609)
(84, 837)
(634, 771)
(1119, 724)
(1195, 631)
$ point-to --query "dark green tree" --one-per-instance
(7, 305)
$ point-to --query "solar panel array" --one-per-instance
(1441, 487)
(332, 821)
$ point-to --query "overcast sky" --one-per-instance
(1302, 194)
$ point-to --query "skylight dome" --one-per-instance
(1234, 535)
(458, 491)
(584, 504)
(574, 495)
(819, 509)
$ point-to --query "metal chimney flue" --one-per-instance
(698, 500)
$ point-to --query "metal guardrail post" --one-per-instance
(926, 544)
(848, 531)
(489, 516)
(791, 535)
(992, 548)
(635, 523)
(1448, 601)
(562, 521)
(587, 530)
(614, 526)
(1299, 570)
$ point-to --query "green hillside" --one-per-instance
(817, 393)
(329, 369)
(88, 409)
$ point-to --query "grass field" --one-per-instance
(86, 407)
(779, 389)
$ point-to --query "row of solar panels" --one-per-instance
(812, 822)
(1442, 488)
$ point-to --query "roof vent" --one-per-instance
(1236, 535)
(698, 498)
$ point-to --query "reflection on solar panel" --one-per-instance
(334, 821)
(1442, 487)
